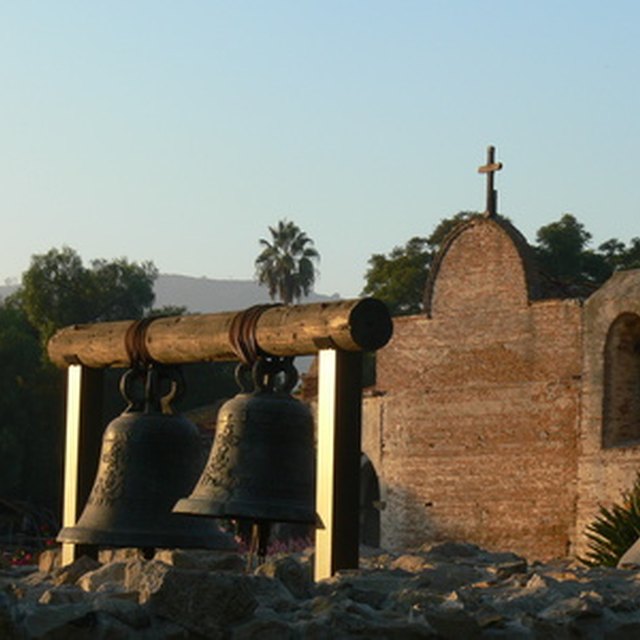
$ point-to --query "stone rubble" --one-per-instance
(445, 591)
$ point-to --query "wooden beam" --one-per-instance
(350, 325)
(338, 462)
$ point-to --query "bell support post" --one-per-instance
(338, 461)
(83, 438)
(337, 331)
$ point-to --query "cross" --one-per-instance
(490, 168)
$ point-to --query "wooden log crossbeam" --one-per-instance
(349, 325)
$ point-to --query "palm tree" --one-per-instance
(286, 264)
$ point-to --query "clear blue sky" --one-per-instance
(177, 131)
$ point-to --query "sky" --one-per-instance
(179, 131)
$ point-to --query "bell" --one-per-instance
(261, 464)
(149, 459)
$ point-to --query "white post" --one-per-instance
(338, 461)
(71, 455)
(83, 438)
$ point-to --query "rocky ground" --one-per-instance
(450, 590)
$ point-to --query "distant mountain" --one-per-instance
(204, 295)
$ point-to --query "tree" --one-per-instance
(167, 310)
(619, 256)
(562, 252)
(30, 406)
(20, 358)
(58, 290)
(399, 278)
(122, 289)
(631, 259)
(286, 263)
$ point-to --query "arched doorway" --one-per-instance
(369, 504)
(621, 405)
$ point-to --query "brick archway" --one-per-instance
(369, 504)
(621, 400)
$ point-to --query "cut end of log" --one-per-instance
(371, 325)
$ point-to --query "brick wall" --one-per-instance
(604, 472)
(477, 427)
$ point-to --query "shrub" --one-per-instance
(614, 530)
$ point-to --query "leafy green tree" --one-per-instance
(20, 358)
(399, 278)
(58, 290)
(562, 250)
(30, 406)
(167, 310)
(619, 256)
(55, 291)
(122, 289)
(631, 258)
(286, 262)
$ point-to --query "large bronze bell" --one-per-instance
(149, 459)
(261, 464)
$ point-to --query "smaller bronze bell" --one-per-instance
(149, 459)
(261, 466)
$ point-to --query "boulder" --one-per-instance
(446, 577)
(201, 559)
(630, 559)
(123, 554)
(110, 576)
(64, 594)
(270, 593)
(126, 611)
(49, 559)
(290, 573)
(264, 629)
(200, 601)
(410, 562)
(73, 621)
(70, 573)
(448, 590)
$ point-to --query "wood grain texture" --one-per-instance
(351, 325)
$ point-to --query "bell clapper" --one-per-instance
(148, 552)
(260, 532)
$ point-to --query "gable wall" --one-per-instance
(480, 414)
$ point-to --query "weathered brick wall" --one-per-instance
(603, 473)
(477, 427)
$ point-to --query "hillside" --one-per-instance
(204, 295)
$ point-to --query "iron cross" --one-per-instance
(490, 168)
